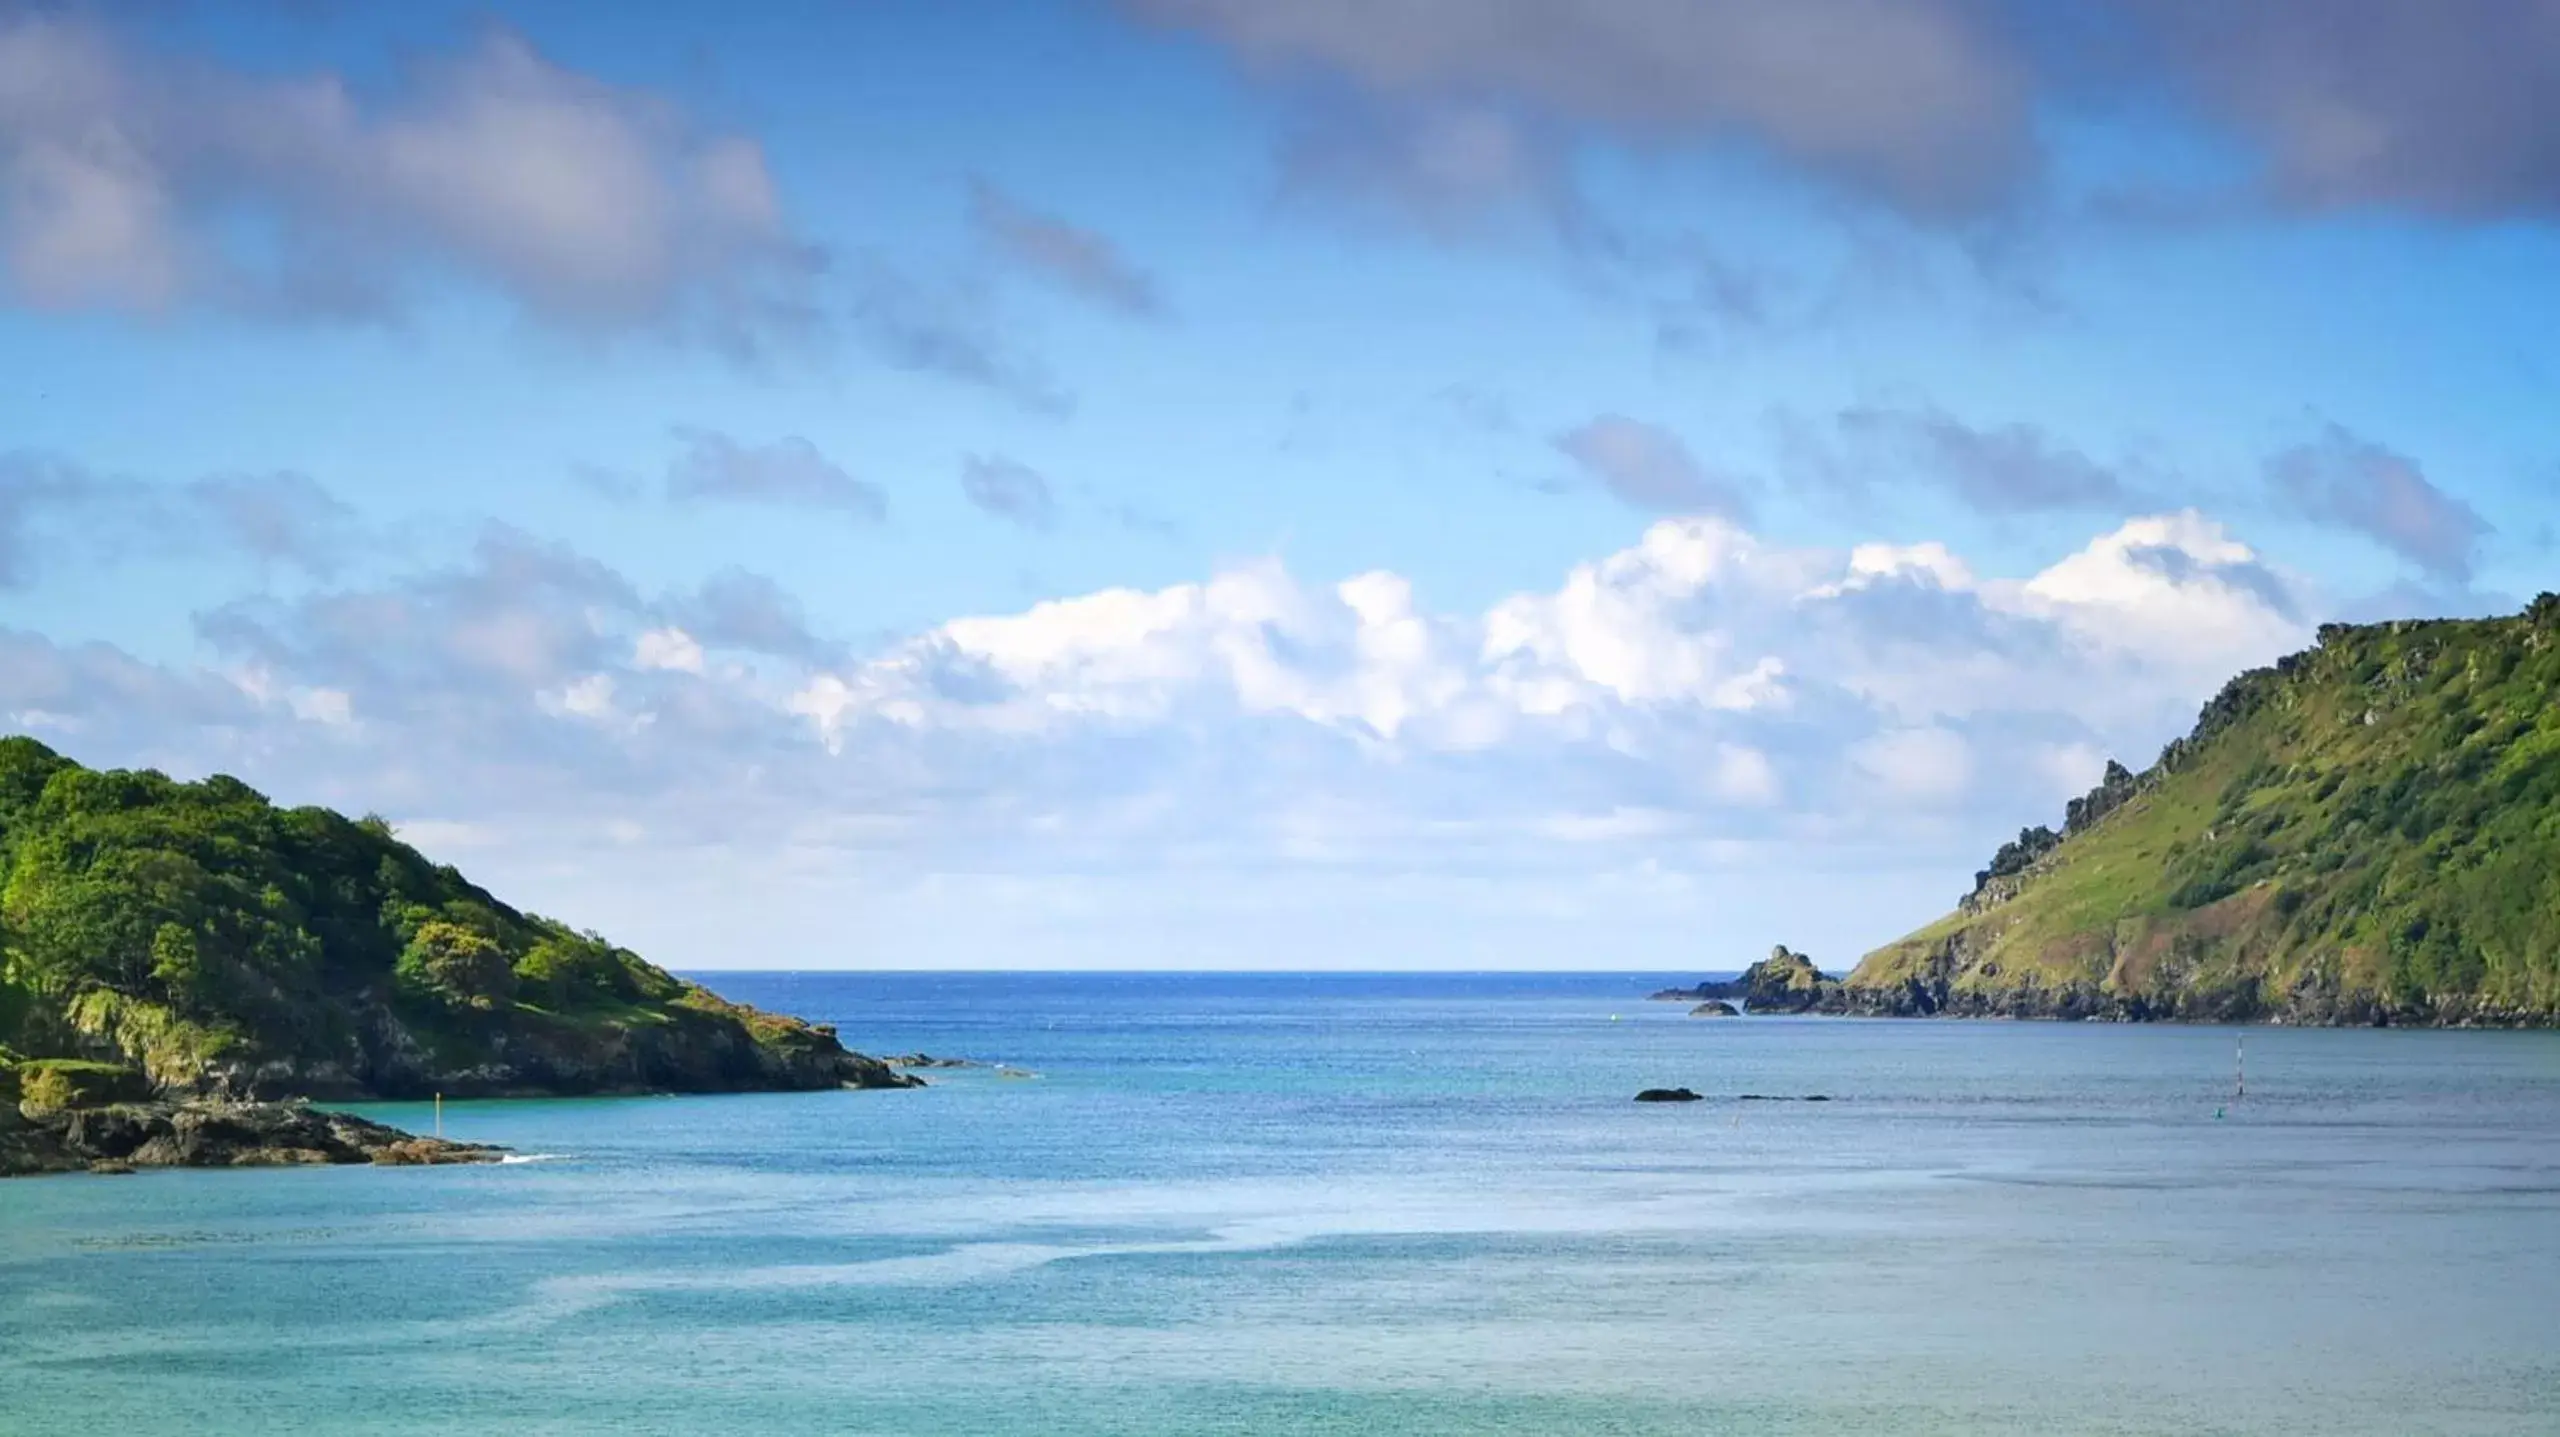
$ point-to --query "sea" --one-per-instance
(1365, 1204)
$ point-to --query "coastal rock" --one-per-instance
(1715, 1008)
(1707, 991)
(1667, 1095)
(1784, 982)
(126, 1136)
(928, 1060)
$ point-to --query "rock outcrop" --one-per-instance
(1784, 982)
(125, 1136)
(1715, 1008)
(1667, 1095)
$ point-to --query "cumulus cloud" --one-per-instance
(1077, 260)
(126, 175)
(2344, 479)
(788, 473)
(1648, 468)
(1703, 702)
(1701, 649)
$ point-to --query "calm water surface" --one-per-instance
(1366, 1205)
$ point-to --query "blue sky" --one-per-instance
(1193, 483)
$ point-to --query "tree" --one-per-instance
(450, 961)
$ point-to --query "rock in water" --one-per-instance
(1715, 1009)
(1666, 1095)
(125, 1136)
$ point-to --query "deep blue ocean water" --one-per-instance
(1371, 1205)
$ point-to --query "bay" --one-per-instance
(1371, 1204)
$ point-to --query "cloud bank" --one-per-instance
(1700, 703)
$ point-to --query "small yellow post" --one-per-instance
(439, 1115)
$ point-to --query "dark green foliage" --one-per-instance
(456, 964)
(2016, 857)
(187, 924)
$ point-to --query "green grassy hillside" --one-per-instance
(218, 944)
(2366, 832)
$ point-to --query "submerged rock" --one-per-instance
(1667, 1095)
(1717, 1008)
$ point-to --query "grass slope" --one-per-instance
(2366, 832)
(218, 944)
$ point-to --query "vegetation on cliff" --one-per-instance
(2365, 832)
(192, 939)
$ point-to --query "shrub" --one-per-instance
(56, 1083)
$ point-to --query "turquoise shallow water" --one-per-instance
(1366, 1205)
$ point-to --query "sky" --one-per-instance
(1371, 484)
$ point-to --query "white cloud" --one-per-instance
(2170, 586)
(668, 648)
(589, 697)
(1698, 635)
(1710, 703)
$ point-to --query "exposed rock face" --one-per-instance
(1667, 1095)
(1715, 1008)
(129, 1136)
(1780, 982)
(1785, 982)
